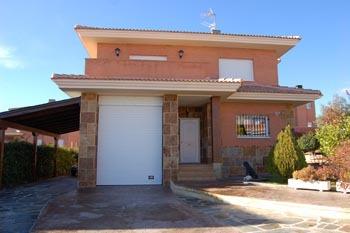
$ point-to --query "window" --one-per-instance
(308, 106)
(252, 126)
(236, 69)
(309, 124)
(148, 58)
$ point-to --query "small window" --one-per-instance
(236, 69)
(39, 142)
(252, 126)
(309, 124)
(308, 106)
(148, 58)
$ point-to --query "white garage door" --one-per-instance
(129, 141)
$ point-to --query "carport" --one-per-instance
(51, 119)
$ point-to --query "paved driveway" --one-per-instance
(125, 209)
(20, 206)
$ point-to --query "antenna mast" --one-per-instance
(211, 16)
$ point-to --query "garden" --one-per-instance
(18, 160)
(331, 140)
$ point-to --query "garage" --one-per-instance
(129, 140)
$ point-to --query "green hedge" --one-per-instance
(18, 162)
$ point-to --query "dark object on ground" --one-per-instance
(74, 171)
(249, 171)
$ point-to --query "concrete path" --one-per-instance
(20, 206)
(255, 220)
(125, 209)
(272, 192)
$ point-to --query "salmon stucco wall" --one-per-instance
(253, 150)
(196, 63)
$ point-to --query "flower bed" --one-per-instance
(343, 187)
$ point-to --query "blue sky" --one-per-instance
(37, 38)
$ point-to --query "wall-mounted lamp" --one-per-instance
(117, 52)
(181, 53)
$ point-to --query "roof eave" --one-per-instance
(91, 37)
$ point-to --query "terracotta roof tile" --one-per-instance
(245, 86)
(259, 88)
(77, 27)
(79, 76)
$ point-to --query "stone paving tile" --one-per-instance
(20, 206)
(257, 220)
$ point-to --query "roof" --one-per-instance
(165, 79)
(245, 86)
(91, 36)
(77, 27)
(260, 88)
(57, 117)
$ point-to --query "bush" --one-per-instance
(18, 160)
(331, 135)
(308, 142)
(336, 168)
(17, 163)
(286, 156)
(341, 161)
(306, 174)
(65, 160)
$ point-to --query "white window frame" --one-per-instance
(250, 117)
(147, 58)
(308, 106)
(224, 63)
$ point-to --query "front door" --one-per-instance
(189, 140)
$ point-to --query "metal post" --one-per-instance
(2, 151)
(55, 157)
(35, 156)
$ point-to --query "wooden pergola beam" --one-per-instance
(8, 124)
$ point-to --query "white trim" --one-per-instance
(273, 96)
(94, 84)
(148, 58)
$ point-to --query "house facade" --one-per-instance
(162, 106)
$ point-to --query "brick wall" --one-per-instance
(88, 140)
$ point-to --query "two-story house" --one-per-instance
(160, 106)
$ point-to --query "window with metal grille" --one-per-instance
(252, 126)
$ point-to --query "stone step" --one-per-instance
(196, 178)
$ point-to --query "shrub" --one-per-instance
(306, 174)
(17, 163)
(308, 142)
(65, 160)
(286, 156)
(341, 161)
(18, 160)
(331, 135)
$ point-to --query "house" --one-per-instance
(68, 140)
(160, 106)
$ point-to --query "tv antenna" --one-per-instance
(211, 17)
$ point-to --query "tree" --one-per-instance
(286, 156)
(334, 111)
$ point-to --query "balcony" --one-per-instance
(154, 69)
